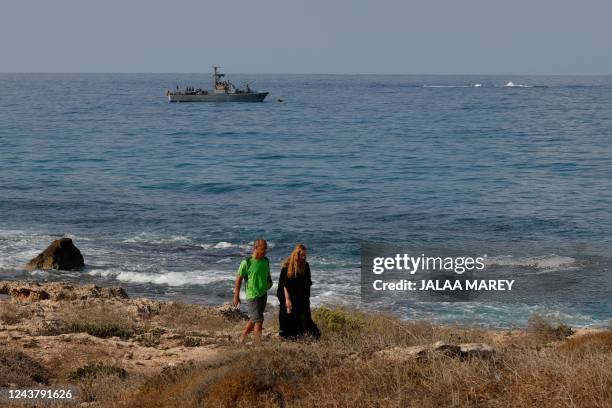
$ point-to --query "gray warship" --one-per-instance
(223, 91)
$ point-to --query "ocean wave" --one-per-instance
(153, 238)
(18, 259)
(245, 246)
(494, 314)
(476, 85)
(546, 262)
(210, 188)
(18, 249)
(349, 266)
(55, 274)
(225, 245)
(159, 239)
(511, 84)
(39, 272)
(169, 278)
(333, 297)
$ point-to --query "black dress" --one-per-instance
(299, 322)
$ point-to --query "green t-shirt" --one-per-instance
(256, 272)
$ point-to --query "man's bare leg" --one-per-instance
(258, 330)
(247, 330)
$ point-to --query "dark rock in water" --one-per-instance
(61, 254)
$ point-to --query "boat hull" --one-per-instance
(219, 97)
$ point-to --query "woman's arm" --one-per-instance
(288, 304)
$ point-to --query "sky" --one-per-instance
(309, 36)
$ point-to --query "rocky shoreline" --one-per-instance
(45, 318)
(108, 345)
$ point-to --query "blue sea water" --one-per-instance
(164, 199)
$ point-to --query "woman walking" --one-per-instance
(293, 294)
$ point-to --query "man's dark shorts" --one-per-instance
(257, 307)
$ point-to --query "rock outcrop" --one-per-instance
(58, 291)
(69, 325)
(61, 254)
(480, 350)
(462, 351)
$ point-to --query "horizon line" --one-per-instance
(289, 73)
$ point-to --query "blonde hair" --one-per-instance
(258, 242)
(294, 265)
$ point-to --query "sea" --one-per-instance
(165, 199)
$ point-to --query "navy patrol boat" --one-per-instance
(223, 91)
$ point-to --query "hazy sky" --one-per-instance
(309, 36)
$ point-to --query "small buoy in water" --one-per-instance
(280, 99)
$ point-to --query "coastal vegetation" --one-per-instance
(120, 352)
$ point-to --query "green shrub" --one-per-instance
(97, 370)
(102, 330)
(190, 341)
(102, 321)
(548, 328)
(338, 319)
(19, 369)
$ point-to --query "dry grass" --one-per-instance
(74, 355)
(104, 385)
(194, 323)
(366, 333)
(540, 367)
(98, 370)
(19, 369)
(340, 370)
(188, 317)
(548, 329)
(12, 314)
(99, 320)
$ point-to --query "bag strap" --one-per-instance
(246, 278)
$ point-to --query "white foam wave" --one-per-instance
(477, 85)
(16, 260)
(511, 84)
(169, 278)
(18, 247)
(152, 238)
(247, 246)
(39, 272)
(546, 262)
(157, 239)
(225, 245)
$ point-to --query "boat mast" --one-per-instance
(217, 83)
